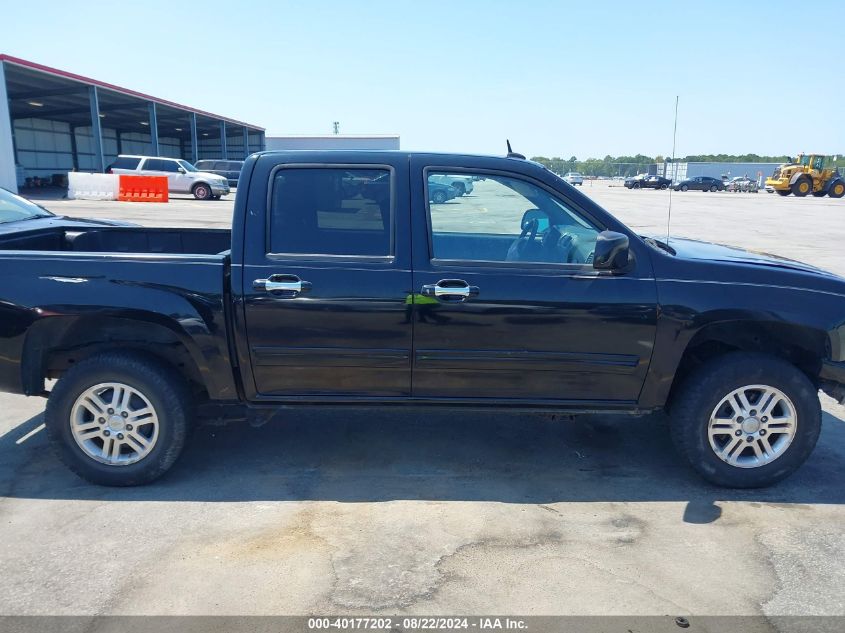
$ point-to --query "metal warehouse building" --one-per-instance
(335, 141)
(681, 171)
(52, 122)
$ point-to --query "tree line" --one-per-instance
(633, 165)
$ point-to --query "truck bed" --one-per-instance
(121, 239)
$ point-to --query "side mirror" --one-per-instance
(611, 252)
(535, 215)
(181, 170)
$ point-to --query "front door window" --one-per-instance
(505, 219)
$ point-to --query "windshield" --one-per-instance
(186, 165)
(14, 208)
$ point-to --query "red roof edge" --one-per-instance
(102, 84)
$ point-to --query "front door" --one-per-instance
(326, 280)
(508, 305)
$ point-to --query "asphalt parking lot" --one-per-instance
(436, 512)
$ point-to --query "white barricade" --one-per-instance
(81, 186)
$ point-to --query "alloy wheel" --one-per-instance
(114, 424)
(752, 426)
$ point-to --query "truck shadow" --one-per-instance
(366, 455)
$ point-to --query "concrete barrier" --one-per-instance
(82, 186)
(142, 188)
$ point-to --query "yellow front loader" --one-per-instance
(809, 174)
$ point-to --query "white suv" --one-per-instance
(182, 177)
(574, 178)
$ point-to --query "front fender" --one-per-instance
(753, 304)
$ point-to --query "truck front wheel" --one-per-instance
(802, 186)
(837, 189)
(119, 418)
(202, 192)
(746, 420)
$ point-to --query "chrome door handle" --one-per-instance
(450, 289)
(286, 285)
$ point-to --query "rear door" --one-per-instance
(163, 167)
(507, 303)
(326, 277)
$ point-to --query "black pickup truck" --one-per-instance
(341, 283)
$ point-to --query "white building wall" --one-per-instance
(8, 178)
(335, 141)
(44, 147)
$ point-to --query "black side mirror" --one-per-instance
(611, 251)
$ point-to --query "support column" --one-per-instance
(194, 144)
(262, 138)
(223, 141)
(8, 173)
(96, 130)
(246, 142)
(154, 128)
(74, 152)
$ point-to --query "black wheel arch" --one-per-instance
(53, 346)
(801, 346)
(798, 176)
(679, 353)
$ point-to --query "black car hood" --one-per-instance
(695, 249)
(56, 221)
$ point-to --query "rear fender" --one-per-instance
(54, 343)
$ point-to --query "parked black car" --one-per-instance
(701, 183)
(340, 283)
(644, 181)
(229, 169)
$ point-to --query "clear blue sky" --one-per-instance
(557, 78)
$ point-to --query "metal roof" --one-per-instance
(39, 91)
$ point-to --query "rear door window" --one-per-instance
(152, 164)
(125, 162)
(331, 211)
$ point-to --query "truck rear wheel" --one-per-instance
(119, 418)
(746, 420)
(837, 189)
(802, 186)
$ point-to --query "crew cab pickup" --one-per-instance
(342, 282)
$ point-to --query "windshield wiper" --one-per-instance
(655, 243)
